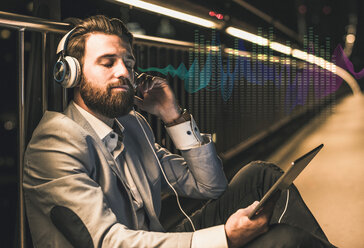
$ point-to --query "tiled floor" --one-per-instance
(333, 183)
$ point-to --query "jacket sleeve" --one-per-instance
(65, 206)
(198, 173)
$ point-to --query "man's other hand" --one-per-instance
(158, 98)
(240, 229)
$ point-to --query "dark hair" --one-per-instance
(98, 23)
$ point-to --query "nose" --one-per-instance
(121, 70)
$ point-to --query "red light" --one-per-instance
(326, 10)
(218, 16)
(302, 9)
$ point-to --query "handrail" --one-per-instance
(21, 136)
(16, 21)
(32, 23)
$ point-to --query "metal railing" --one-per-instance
(21, 24)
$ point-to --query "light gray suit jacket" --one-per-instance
(75, 195)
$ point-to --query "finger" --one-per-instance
(151, 83)
(141, 80)
(159, 82)
(138, 102)
(252, 209)
(148, 83)
(252, 206)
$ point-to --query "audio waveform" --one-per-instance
(297, 81)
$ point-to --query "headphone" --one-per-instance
(67, 70)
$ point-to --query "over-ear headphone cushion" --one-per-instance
(74, 72)
(67, 72)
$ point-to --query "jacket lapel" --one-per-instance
(133, 141)
(73, 113)
(141, 182)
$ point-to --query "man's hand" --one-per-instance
(240, 229)
(158, 98)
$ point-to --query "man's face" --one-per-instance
(107, 75)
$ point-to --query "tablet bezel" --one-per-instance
(287, 178)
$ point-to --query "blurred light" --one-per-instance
(314, 60)
(326, 10)
(351, 29)
(274, 59)
(350, 38)
(286, 61)
(280, 48)
(164, 40)
(263, 57)
(237, 52)
(218, 16)
(299, 54)
(212, 48)
(5, 34)
(27, 46)
(171, 13)
(30, 6)
(9, 125)
(247, 36)
(302, 9)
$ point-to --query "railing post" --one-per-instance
(21, 137)
(44, 72)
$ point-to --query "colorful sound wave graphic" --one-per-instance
(297, 81)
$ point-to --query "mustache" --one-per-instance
(122, 82)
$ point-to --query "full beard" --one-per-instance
(105, 102)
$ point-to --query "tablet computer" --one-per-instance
(287, 178)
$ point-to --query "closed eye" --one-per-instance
(108, 65)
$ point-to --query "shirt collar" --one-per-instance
(100, 127)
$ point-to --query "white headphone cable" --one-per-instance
(164, 175)
(285, 208)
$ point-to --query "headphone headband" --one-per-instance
(67, 70)
(62, 45)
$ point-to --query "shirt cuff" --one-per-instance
(212, 237)
(185, 135)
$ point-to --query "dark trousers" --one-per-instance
(297, 228)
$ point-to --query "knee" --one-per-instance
(287, 236)
(257, 177)
(257, 170)
(264, 165)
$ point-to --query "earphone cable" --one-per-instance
(285, 208)
(164, 175)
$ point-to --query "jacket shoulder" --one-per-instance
(57, 133)
(55, 123)
(58, 147)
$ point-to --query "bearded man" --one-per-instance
(94, 175)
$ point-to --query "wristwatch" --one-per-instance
(184, 116)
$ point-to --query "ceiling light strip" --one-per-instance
(239, 33)
(170, 12)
